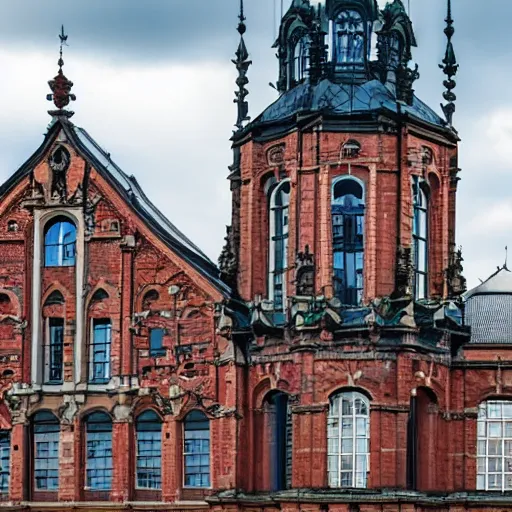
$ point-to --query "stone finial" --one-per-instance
(61, 86)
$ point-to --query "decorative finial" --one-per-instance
(242, 65)
(449, 67)
(506, 258)
(60, 85)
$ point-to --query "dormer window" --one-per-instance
(300, 62)
(349, 38)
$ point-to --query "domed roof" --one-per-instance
(489, 309)
(499, 282)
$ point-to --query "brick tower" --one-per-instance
(343, 243)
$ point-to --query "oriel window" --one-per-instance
(60, 243)
(347, 211)
(420, 241)
(99, 351)
(46, 451)
(5, 460)
(149, 451)
(54, 349)
(196, 450)
(98, 452)
(278, 253)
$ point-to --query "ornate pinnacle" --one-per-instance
(449, 67)
(60, 85)
(242, 65)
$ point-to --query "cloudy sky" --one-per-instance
(154, 86)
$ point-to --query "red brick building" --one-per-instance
(339, 369)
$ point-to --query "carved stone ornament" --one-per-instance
(455, 280)
(404, 272)
(59, 164)
(275, 155)
(305, 273)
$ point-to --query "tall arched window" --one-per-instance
(279, 204)
(98, 452)
(46, 451)
(59, 243)
(494, 446)
(279, 440)
(420, 241)
(196, 450)
(300, 63)
(349, 38)
(149, 451)
(348, 239)
(5, 460)
(348, 440)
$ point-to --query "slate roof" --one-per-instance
(489, 309)
(128, 187)
(343, 99)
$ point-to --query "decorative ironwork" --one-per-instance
(242, 65)
(61, 86)
(449, 67)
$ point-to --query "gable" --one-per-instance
(70, 168)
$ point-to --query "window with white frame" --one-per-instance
(494, 446)
(348, 440)
(420, 241)
(54, 350)
(99, 351)
(300, 69)
(5, 460)
(98, 452)
(347, 210)
(46, 451)
(59, 243)
(196, 450)
(278, 257)
(149, 451)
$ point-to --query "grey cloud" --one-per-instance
(134, 30)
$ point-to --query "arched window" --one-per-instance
(300, 64)
(98, 452)
(420, 241)
(149, 451)
(5, 460)
(349, 38)
(494, 446)
(196, 450)
(46, 451)
(348, 440)
(279, 440)
(60, 243)
(279, 204)
(348, 239)
(99, 351)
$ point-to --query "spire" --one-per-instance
(242, 65)
(449, 67)
(61, 86)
